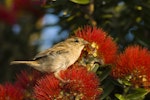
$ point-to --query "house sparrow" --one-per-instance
(57, 58)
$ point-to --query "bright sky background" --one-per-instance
(50, 34)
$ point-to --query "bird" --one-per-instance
(57, 58)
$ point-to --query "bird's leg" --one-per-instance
(57, 75)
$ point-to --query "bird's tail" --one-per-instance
(30, 63)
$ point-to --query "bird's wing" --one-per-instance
(52, 51)
(42, 54)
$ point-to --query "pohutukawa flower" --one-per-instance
(78, 83)
(48, 88)
(26, 81)
(21, 6)
(6, 15)
(133, 65)
(2, 92)
(102, 44)
(10, 92)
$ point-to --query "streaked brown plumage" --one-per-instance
(57, 58)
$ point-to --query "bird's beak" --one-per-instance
(86, 42)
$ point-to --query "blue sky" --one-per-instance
(50, 34)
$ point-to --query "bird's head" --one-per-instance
(76, 41)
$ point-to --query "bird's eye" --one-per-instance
(76, 40)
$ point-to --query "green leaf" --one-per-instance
(108, 87)
(137, 94)
(95, 68)
(120, 97)
(81, 1)
(105, 74)
(124, 82)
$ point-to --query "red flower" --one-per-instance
(6, 15)
(10, 92)
(20, 6)
(134, 65)
(78, 83)
(2, 92)
(26, 81)
(48, 88)
(105, 47)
